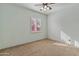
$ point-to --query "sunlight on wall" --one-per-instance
(76, 44)
(68, 40)
(65, 37)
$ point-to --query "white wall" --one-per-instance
(65, 19)
(15, 27)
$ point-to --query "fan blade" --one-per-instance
(50, 8)
(50, 3)
(40, 4)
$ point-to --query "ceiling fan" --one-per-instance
(45, 6)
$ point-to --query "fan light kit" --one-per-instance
(45, 6)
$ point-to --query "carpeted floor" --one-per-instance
(42, 48)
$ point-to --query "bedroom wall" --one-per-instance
(63, 23)
(15, 27)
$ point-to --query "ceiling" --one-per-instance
(56, 6)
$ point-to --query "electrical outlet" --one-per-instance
(69, 40)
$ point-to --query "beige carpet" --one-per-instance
(41, 48)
